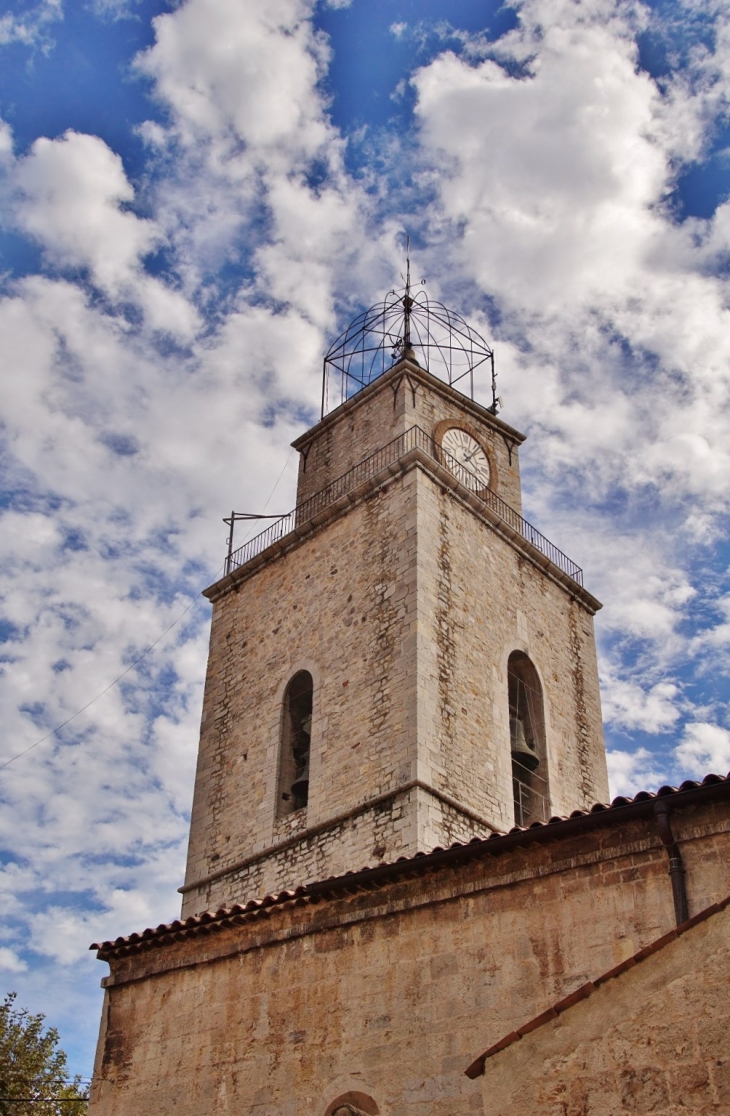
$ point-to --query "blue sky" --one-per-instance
(195, 200)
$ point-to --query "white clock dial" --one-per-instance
(465, 451)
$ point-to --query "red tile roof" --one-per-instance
(370, 878)
(476, 1069)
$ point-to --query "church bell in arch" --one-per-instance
(522, 751)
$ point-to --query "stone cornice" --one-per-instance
(323, 900)
(406, 368)
(332, 823)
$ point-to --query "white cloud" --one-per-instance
(631, 772)
(628, 705)
(31, 27)
(555, 184)
(72, 191)
(6, 142)
(249, 141)
(70, 195)
(704, 747)
(230, 73)
(554, 170)
(714, 637)
(10, 962)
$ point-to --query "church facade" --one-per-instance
(396, 855)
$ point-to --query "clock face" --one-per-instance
(466, 452)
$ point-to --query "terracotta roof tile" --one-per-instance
(370, 877)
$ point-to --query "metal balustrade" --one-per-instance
(413, 439)
(530, 792)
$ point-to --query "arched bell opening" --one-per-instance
(353, 1104)
(296, 737)
(527, 741)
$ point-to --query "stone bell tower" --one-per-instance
(403, 662)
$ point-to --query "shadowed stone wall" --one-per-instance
(402, 986)
(653, 1041)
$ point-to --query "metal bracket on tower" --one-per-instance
(496, 401)
(237, 517)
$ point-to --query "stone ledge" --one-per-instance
(332, 823)
(414, 372)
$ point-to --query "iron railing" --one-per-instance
(531, 802)
(413, 438)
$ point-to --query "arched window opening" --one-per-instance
(353, 1104)
(527, 741)
(296, 734)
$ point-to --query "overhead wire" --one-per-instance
(101, 693)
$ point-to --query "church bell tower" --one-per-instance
(403, 662)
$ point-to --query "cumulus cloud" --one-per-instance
(31, 27)
(558, 157)
(71, 192)
(10, 962)
(704, 747)
(72, 196)
(254, 147)
(631, 772)
(715, 637)
(6, 142)
(231, 74)
(628, 705)
(557, 179)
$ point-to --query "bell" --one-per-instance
(300, 786)
(522, 752)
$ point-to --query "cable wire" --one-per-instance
(139, 658)
(271, 496)
(106, 689)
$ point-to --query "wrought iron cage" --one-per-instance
(404, 324)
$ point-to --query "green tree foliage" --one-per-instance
(34, 1079)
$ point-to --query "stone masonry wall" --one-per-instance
(394, 992)
(651, 1042)
(343, 606)
(356, 842)
(344, 439)
(405, 610)
(479, 600)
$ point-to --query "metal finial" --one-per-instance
(405, 324)
(496, 401)
(407, 304)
